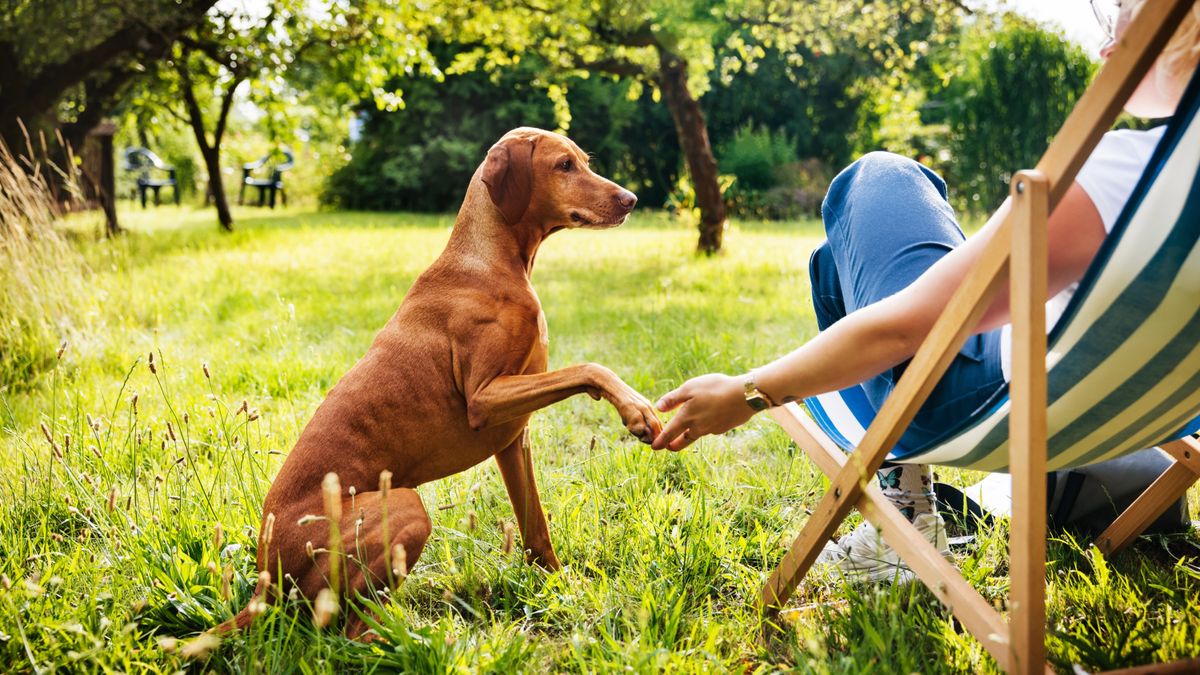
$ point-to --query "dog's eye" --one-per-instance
(565, 165)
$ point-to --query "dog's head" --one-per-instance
(542, 179)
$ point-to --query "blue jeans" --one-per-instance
(886, 222)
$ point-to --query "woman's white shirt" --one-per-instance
(1108, 178)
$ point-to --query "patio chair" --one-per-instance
(1122, 371)
(143, 162)
(272, 166)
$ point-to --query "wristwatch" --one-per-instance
(754, 398)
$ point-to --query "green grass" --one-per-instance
(664, 553)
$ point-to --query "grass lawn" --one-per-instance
(109, 545)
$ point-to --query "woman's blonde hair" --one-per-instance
(1181, 55)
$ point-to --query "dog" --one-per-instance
(450, 381)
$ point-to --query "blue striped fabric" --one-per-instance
(1123, 363)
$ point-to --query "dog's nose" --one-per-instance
(626, 199)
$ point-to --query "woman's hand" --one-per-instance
(711, 404)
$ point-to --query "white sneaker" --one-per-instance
(864, 557)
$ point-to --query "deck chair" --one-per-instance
(1122, 371)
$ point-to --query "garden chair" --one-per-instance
(1122, 372)
(272, 166)
(142, 162)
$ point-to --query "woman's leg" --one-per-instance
(887, 221)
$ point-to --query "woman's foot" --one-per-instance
(864, 557)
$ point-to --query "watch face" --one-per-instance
(758, 403)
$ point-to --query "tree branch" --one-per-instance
(612, 66)
(195, 115)
(226, 105)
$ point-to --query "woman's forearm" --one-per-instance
(858, 347)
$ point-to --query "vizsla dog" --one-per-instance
(450, 381)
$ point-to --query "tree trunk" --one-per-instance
(697, 151)
(212, 162)
(210, 152)
(108, 186)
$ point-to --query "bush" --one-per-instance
(1010, 85)
(755, 156)
(769, 181)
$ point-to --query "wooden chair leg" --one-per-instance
(1027, 422)
(1164, 491)
(937, 573)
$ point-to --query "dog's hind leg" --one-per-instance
(516, 466)
(379, 556)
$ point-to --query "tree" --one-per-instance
(268, 52)
(71, 61)
(994, 129)
(673, 45)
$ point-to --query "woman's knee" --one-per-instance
(878, 175)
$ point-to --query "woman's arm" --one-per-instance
(880, 336)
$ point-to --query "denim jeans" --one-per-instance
(886, 222)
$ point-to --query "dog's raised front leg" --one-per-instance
(516, 466)
(510, 396)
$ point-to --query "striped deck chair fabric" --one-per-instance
(1123, 361)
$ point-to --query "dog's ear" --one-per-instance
(508, 175)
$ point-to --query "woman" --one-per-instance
(893, 257)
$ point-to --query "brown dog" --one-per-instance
(450, 381)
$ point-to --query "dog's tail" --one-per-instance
(244, 618)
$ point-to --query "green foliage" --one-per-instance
(422, 157)
(815, 104)
(771, 183)
(755, 156)
(1008, 87)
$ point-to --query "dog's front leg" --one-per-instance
(516, 466)
(511, 396)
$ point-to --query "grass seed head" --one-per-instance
(472, 521)
(204, 367)
(385, 484)
(226, 579)
(112, 500)
(218, 536)
(331, 490)
(324, 608)
(308, 548)
(212, 568)
(5, 582)
(150, 362)
(61, 348)
(168, 644)
(399, 561)
(508, 538)
(133, 403)
(269, 528)
(200, 647)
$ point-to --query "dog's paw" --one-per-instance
(640, 419)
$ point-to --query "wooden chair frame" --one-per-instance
(1018, 251)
